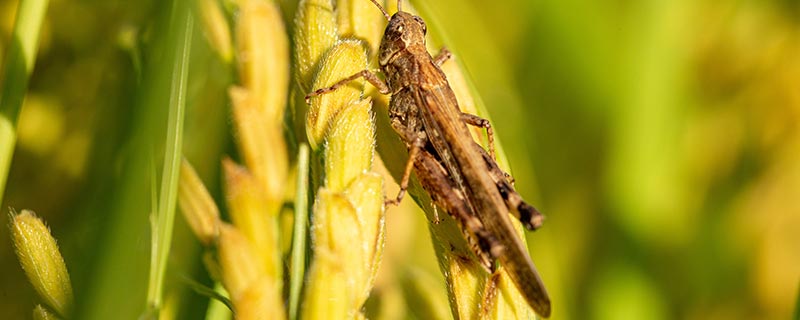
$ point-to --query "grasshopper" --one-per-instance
(461, 177)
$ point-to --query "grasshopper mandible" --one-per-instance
(457, 172)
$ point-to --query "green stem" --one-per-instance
(172, 160)
(18, 68)
(297, 271)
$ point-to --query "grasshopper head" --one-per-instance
(404, 30)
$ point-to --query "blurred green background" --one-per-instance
(660, 138)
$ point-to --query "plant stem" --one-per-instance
(171, 170)
(298, 263)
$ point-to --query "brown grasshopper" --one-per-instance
(461, 177)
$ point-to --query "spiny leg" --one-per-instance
(436, 219)
(481, 123)
(366, 74)
(531, 218)
(442, 56)
(413, 151)
(447, 196)
(489, 294)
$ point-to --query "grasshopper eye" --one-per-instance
(421, 24)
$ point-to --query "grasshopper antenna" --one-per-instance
(399, 5)
(383, 10)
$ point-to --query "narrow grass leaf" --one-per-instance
(18, 67)
(298, 263)
(171, 169)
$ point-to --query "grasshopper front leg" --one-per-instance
(370, 76)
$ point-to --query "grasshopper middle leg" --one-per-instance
(481, 123)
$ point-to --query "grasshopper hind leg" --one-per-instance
(490, 290)
(483, 245)
(527, 214)
(447, 196)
